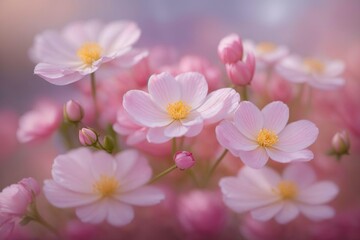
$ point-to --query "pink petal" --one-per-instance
(303, 175)
(57, 75)
(141, 108)
(193, 87)
(256, 158)
(226, 132)
(285, 157)
(93, 213)
(267, 212)
(175, 129)
(318, 193)
(318, 212)
(102, 164)
(119, 214)
(80, 32)
(194, 118)
(335, 68)
(276, 116)
(248, 119)
(143, 196)
(264, 178)
(327, 83)
(6, 228)
(194, 130)
(64, 198)
(297, 136)
(156, 135)
(164, 89)
(289, 212)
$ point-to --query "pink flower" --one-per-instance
(87, 137)
(318, 73)
(14, 201)
(230, 49)
(179, 106)
(100, 186)
(73, 112)
(81, 48)
(256, 135)
(266, 194)
(267, 54)
(242, 72)
(184, 160)
(39, 123)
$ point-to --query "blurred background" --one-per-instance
(320, 27)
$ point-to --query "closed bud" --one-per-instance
(340, 144)
(241, 73)
(73, 112)
(109, 144)
(230, 49)
(87, 137)
(184, 160)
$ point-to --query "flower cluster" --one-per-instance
(133, 113)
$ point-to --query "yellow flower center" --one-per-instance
(266, 138)
(287, 189)
(89, 52)
(178, 110)
(314, 65)
(106, 186)
(266, 47)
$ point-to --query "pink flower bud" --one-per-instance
(241, 73)
(341, 143)
(87, 137)
(73, 112)
(31, 185)
(184, 160)
(230, 49)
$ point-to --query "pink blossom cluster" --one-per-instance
(179, 147)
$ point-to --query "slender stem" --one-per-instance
(217, 162)
(163, 173)
(245, 95)
(192, 175)
(173, 146)
(35, 216)
(66, 136)
(93, 93)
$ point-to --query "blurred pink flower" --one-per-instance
(101, 186)
(73, 111)
(256, 135)
(266, 194)
(318, 73)
(81, 48)
(242, 72)
(39, 123)
(178, 106)
(184, 160)
(230, 49)
(14, 201)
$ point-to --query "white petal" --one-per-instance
(164, 89)
(156, 135)
(327, 83)
(264, 178)
(249, 119)
(276, 116)
(143, 196)
(56, 74)
(297, 136)
(102, 164)
(79, 33)
(193, 87)
(302, 174)
(267, 212)
(318, 193)
(119, 214)
(93, 213)
(256, 158)
(285, 157)
(318, 212)
(194, 130)
(141, 108)
(175, 129)
(289, 212)
(64, 198)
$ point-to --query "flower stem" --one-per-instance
(173, 146)
(217, 162)
(93, 93)
(163, 173)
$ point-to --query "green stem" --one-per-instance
(163, 173)
(66, 136)
(245, 95)
(93, 94)
(217, 162)
(173, 146)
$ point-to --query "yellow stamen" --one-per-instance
(178, 110)
(266, 138)
(106, 186)
(89, 52)
(266, 47)
(314, 65)
(287, 189)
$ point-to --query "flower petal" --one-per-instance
(318, 212)
(193, 87)
(156, 135)
(302, 174)
(248, 119)
(288, 212)
(194, 130)
(102, 163)
(141, 108)
(119, 214)
(267, 212)
(276, 116)
(57, 75)
(285, 157)
(164, 89)
(81, 32)
(175, 129)
(318, 193)
(297, 136)
(143, 196)
(64, 198)
(93, 213)
(256, 158)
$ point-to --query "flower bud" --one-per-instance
(73, 112)
(184, 160)
(230, 49)
(241, 73)
(31, 185)
(87, 137)
(340, 143)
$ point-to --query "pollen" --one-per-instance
(287, 189)
(106, 186)
(178, 110)
(266, 47)
(266, 138)
(89, 52)
(314, 65)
